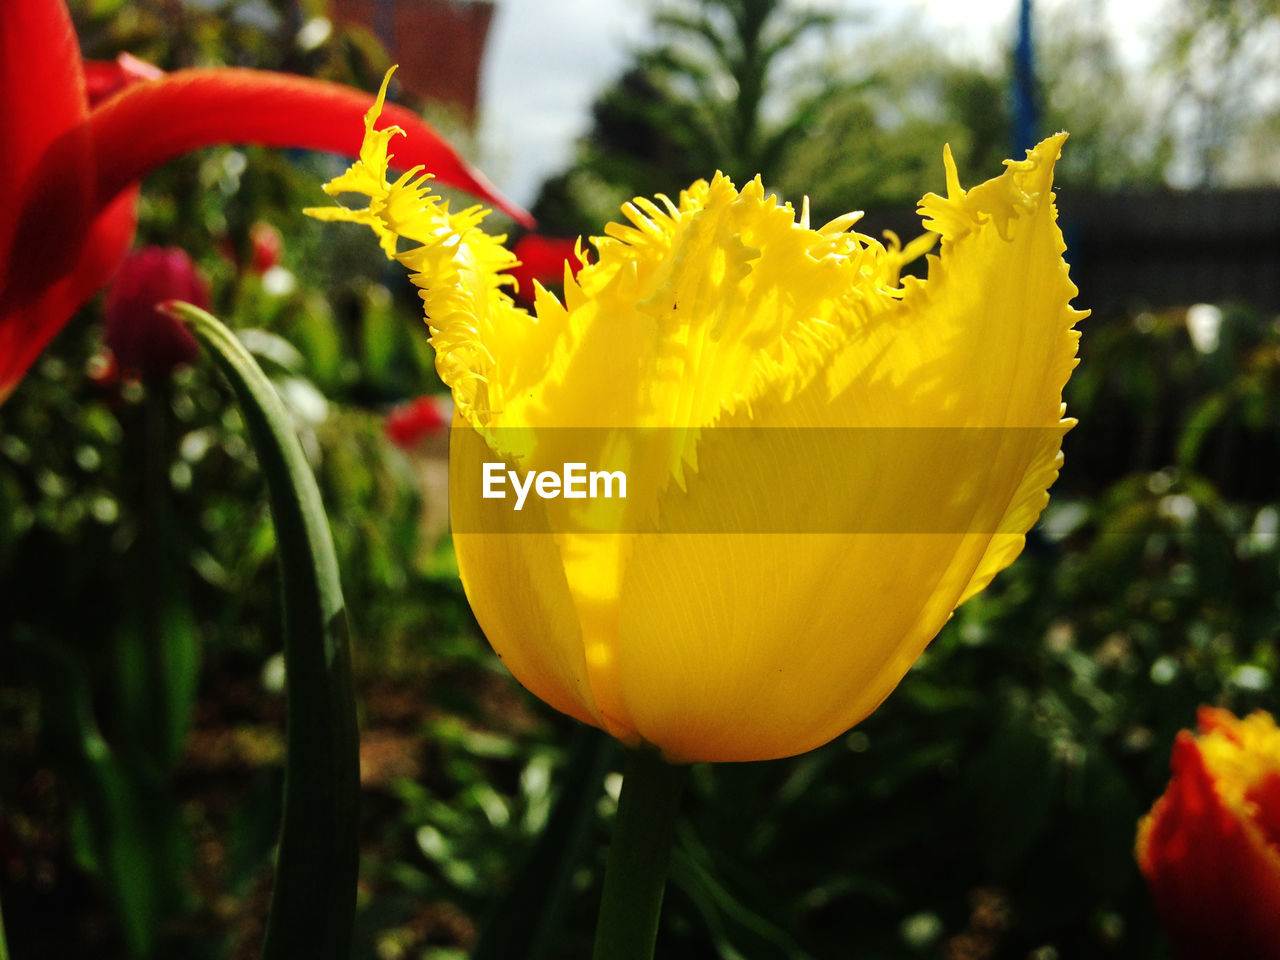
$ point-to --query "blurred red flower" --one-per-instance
(542, 259)
(144, 340)
(410, 423)
(78, 139)
(266, 246)
(1210, 847)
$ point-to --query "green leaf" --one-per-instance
(1206, 416)
(313, 903)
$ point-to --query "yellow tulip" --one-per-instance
(823, 459)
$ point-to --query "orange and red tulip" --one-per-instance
(1210, 847)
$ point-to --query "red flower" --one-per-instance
(67, 201)
(1210, 847)
(542, 259)
(142, 338)
(265, 247)
(412, 422)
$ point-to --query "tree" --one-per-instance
(1220, 55)
(1117, 133)
(693, 104)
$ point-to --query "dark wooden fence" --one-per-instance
(1163, 248)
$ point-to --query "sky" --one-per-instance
(548, 59)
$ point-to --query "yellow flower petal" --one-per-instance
(934, 433)
(1001, 271)
(753, 644)
(535, 629)
(822, 462)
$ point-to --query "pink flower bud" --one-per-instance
(142, 338)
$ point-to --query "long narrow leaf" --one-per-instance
(313, 904)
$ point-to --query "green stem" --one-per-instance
(4, 947)
(153, 532)
(637, 872)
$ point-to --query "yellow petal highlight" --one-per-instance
(822, 461)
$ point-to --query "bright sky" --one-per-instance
(548, 59)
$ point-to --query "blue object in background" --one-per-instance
(1026, 119)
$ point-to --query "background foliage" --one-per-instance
(986, 810)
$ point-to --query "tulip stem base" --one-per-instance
(636, 875)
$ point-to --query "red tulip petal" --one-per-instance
(1217, 720)
(108, 241)
(152, 122)
(543, 259)
(1265, 796)
(1214, 878)
(102, 78)
(28, 324)
(41, 97)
